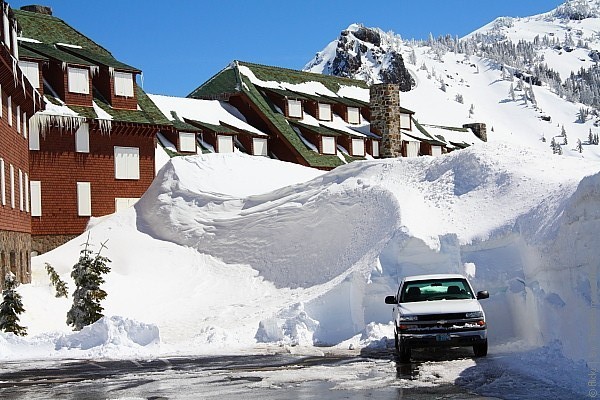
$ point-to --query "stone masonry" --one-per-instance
(385, 118)
(15, 248)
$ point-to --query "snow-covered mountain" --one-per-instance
(533, 81)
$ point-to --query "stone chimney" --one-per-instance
(479, 129)
(385, 117)
(38, 9)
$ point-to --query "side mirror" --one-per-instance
(390, 300)
(484, 294)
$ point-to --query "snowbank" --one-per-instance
(224, 253)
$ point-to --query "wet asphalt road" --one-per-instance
(222, 377)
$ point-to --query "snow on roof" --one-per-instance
(433, 276)
(338, 124)
(452, 134)
(209, 111)
(30, 40)
(74, 46)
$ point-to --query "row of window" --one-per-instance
(328, 146)
(21, 117)
(84, 199)
(16, 177)
(324, 112)
(78, 79)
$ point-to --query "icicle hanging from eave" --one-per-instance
(111, 72)
(15, 45)
(5, 26)
(94, 69)
(14, 71)
(105, 126)
(142, 79)
(45, 122)
(64, 66)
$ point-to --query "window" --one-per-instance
(328, 144)
(78, 80)
(24, 122)
(224, 144)
(11, 171)
(18, 119)
(412, 149)
(259, 147)
(353, 115)
(127, 163)
(324, 112)
(82, 138)
(121, 203)
(436, 150)
(294, 108)
(2, 183)
(84, 199)
(34, 135)
(9, 110)
(375, 148)
(358, 147)
(32, 72)
(36, 198)
(187, 142)
(26, 185)
(405, 121)
(21, 194)
(123, 84)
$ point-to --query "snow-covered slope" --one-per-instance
(457, 81)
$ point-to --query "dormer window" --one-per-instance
(358, 147)
(78, 80)
(123, 84)
(325, 112)
(294, 108)
(353, 115)
(328, 145)
(405, 121)
(32, 72)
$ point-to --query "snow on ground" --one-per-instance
(228, 253)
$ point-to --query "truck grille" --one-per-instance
(441, 317)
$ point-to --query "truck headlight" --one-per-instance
(408, 318)
(475, 314)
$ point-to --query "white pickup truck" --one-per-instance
(438, 310)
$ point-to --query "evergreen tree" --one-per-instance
(471, 111)
(596, 139)
(87, 275)
(553, 145)
(563, 132)
(511, 92)
(590, 137)
(59, 285)
(579, 146)
(11, 307)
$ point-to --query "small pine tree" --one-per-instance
(511, 92)
(543, 138)
(459, 98)
(11, 307)
(471, 111)
(559, 149)
(59, 285)
(553, 145)
(596, 139)
(579, 146)
(563, 132)
(565, 141)
(87, 275)
(590, 137)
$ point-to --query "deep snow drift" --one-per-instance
(206, 264)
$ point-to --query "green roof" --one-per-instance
(210, 127)
(230, 80)
(51, 51)
(433, 140)
(321, 130)
(98, 58)
(26, 53)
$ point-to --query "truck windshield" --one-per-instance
(435, 289)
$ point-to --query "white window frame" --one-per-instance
(187, 142)
(84, 199)
(436, 150)
(2, 182)
(21, 191)
(32, 72)
(260, 147)
(9, 110)
(127, 162)
(123, 82)
(34, 135)
(36, 198)
(353, 115)
(405, 121)
(78, 80)
(18, 119)
(24, 123)
(122, 203)
(11, 171)
(412, 148)
(325, 113)
(223, 140)
(294, 108)
(375, 148)
(328, 145)
(358, 147)
(26, 192)
(82, 138)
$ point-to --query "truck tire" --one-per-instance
(481, 349)
(404, 353)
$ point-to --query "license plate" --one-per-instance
(442, 337)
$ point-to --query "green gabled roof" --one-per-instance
(226, 81)
(24, 52)
(52, 30)
(51, 51)
(210, 127)
(98, 58)
(345, 101)
(406, 110)
(181, 125)
(285, 93)
(434, 140)
(321, 130)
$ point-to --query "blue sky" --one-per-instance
(182, 43)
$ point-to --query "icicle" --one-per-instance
(111, 72)
(14, 71)
(142, 79)
(64, 66)
(105, 126)
(45, 122)
(23, 84)
(94, 70)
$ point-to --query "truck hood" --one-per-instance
(440, 307)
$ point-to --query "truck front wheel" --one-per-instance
(481, 349)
